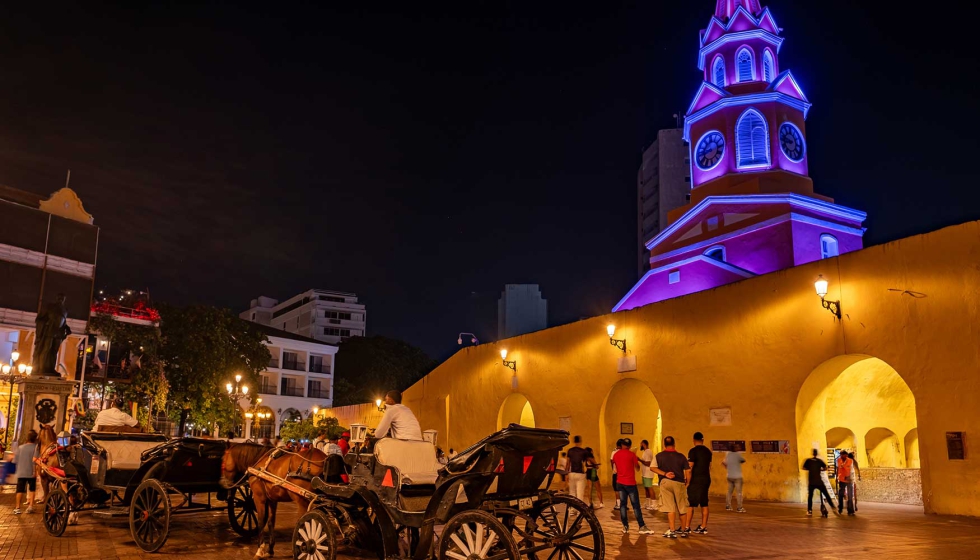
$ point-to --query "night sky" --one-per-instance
(425, 154)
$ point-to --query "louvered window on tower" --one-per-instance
(744, 59)
(752, 140)
(767, 66)
(719, 72)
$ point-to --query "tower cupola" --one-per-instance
(725, 9)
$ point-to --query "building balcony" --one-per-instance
(269, 389)
(274, 363)
(320, 368)
(321, 394)
(294, 366)
(292, 392)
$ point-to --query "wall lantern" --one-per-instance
(512, 365)
(621, 344)
(833, 306)
(381, 405)
(459, 339)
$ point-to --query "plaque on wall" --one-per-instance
(626, 428)
(778, 447)
(565, 423)
(728, 445)
(720, 416)
(956, 446)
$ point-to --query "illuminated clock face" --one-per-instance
(710, 150)
(791, 141)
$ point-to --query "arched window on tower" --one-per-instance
(718, 72)
(717, 253)
(828, 246)
(767, 66)
(745, 65)
(752, 140)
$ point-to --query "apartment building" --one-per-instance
(323, 315)
(298, 379)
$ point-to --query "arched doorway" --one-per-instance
(912, 448)
(860, 404)
(630, 410)
(516, 409)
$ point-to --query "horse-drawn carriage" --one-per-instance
(142, 472)
(491, 501)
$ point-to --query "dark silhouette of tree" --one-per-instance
(368, 367)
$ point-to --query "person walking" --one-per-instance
(646, 473)
(855, 479)
(592, 475)
(733, 462)
(697, 491)
(26, 474)
(814, 466)
(626, 467)
(845, 466)
(562, 469)
(576, 469)
(673, 469)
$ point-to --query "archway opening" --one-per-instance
(630, 410)
(859, 404)
(516, 409)
(912, 448)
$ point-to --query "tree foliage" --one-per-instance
(306, 429)
(368, 367)
(203, 349)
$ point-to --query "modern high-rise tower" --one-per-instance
(662, 184)
(753, 209)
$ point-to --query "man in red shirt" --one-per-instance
(344, 443)
(626, 467)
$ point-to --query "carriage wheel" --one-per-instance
(149, 516)
(242, 514)
(314, 537)
(56, 510)
(564, 528)
(477, 534)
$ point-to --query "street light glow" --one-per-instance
(611, 329)
(821, 286)
(15, 355)
(503, 354)
(238, 378)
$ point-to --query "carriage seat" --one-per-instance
(124, 453)
(415, 460)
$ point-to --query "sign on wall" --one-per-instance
(728, 445)
(956, 446)
(565, 423)
(720, 416)
(780, 447)
(626, 428)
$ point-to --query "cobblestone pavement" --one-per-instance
(766, 531)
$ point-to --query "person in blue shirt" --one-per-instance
(26, 476)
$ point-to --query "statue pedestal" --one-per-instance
(43, 400)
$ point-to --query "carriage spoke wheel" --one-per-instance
(242, 515)
(314, 537)
(566, 529)
(149, 516)
(476, 535)
(56, 510)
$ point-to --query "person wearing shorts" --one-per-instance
(673, 470)
(697, 491)
(647, 460)
(26, 476)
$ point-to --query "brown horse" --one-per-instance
(47, 446)
(298, 467)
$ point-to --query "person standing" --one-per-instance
(814, 466)
(854, 480)
(627, 465)
(320, 442)
(646, 473)
(562, 469)
(592, 475)
(576, 469)
(697, 491)
(26, 474)
(845, 466)
(615, 485)
(673, 469)
(344, 443)
(733, 462)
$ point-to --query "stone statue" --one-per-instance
(51, 329)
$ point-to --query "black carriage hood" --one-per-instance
(514, 438)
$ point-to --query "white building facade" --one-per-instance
(297, 382)
(323, 315)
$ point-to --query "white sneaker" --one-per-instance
(644, 530)
(600, 506)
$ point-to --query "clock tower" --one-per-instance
(753, 209)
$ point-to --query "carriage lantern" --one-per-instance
(358, 433)
(431, 436)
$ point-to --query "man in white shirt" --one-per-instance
(398, 420)
(647, 460)
(321, 441)
(114, 416)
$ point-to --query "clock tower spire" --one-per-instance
(753, 209)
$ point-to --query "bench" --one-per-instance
(415, 460)
(123, 451)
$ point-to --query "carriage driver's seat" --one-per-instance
(415, 460)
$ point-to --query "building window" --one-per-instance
(744, 64)
(674, 277)
(717, 253)
(767, 66)
(253, 317)
(319, 365)
(331, 331)
(752, 140)
(718, 72)
(337, 316)
(333, 299)
(828, 246)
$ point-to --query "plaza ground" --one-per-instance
(768, 530)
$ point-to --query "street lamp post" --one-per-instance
(236, 392)
(13, 372)
(253, 413)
